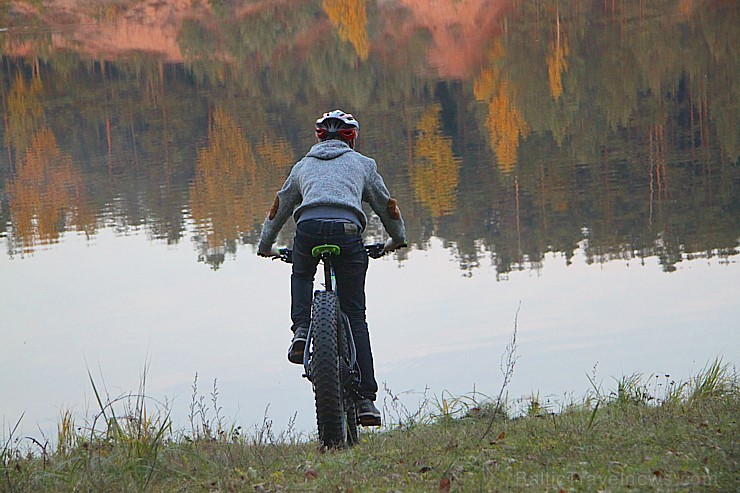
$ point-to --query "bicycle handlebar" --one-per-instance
(374, 250)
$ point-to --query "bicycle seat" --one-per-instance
(319, 250)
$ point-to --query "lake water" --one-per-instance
(568, 170)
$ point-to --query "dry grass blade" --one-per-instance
(508, 361)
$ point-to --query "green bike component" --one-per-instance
(317, 251)
(320, 251)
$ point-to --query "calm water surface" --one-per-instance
(571, 171)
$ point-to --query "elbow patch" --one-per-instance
(274, 208)
(393, 209)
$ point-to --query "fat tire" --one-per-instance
(331, 406)
(348, 381)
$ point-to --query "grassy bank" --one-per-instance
(645, 434)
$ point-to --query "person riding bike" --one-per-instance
(324, 194)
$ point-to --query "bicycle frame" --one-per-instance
(330, 355)
(325, 252)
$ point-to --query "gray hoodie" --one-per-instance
(332, 174)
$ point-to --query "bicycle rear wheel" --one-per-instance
(335, 414)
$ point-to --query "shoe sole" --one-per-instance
(368, 420)
(295, 352)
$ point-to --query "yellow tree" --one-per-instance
(218, 202)
(349, 18)
(234, 185)
(505, 122)
(557, 62)
(46, 193)
(24, 111)
(434, 171)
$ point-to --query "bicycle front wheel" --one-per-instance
(332, 408)
(349, 378)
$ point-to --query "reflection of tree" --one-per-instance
(557, 64)
(585, 102)
(25, 109)
(233, 184)
(219, 203)
(657, 164)
(505, 122)
(46, 194)
(434, 171)
(349, 17)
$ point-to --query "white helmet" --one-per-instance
(337, 125)
(337, 119)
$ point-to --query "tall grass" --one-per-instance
(715, 380)
(135, 426)
(650, 428)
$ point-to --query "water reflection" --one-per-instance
(228, 197)
(526, 141)
(45, 195)
(553, 125)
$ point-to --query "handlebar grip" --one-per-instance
(286, 255)
(375, 250)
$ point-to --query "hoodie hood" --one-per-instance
(329, 149)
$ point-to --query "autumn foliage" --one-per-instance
(434, 171)
(557, 62)
(234, 182)
(46, 194)
(24, 110)
(349, 18)
(505, 121)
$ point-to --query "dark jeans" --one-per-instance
(350, 268)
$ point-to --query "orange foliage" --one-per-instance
(349, 18)
(505, 122)
(557, 63)
(231, 192)
(434, 172)
(686, 8)
(457, 30)
(111, 28)
(46, 193)
(24, 111)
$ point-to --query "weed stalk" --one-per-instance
(508, 361)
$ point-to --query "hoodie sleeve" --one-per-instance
(377, 195)
(282, 208)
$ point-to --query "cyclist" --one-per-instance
(324, 194)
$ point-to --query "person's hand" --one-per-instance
(271, 253)
(392, 244)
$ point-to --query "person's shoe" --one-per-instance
(295, 351)
(367, 413)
